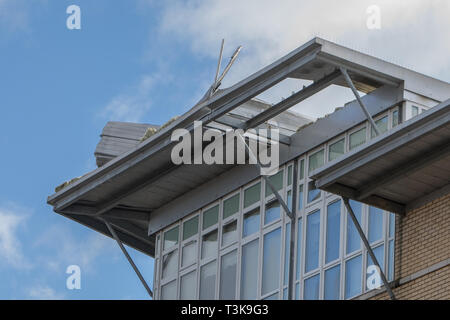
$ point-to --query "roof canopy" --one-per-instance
(398, 170)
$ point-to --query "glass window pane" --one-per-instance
(357, 138)
(311, 288)
(252, 194)
(188, 286)
(382, 125)
(300, 197)
(316, 160)
(414, 111)
(249, 276)
(333, 231)
(231, 206)
(209, 244)
(391, 224)
(272, 297)
(190, 228)
(353, 238)
(395, 118)
(379, 254)
(229, 233)
(169, 291)
(271, 261)
(170, 238)
(272, 212)
(336, 149)
(299, 249)
(277, 182)
(301, 169)
(210, 217)
(251, 222)
(170, 264)
(289, 200)
(391, 260)
(289, 175)
(297, 291)
(228, 276)
(312, 241)
(189, 255)
(375, 224)
(353, 277)
(285, 294)
(208, 281)
(332, 283)
(313, 192)
(287, 245)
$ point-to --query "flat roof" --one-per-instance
(144, 179)
(399, 170)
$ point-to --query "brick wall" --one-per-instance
(423, 240)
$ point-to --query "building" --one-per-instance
(223, 231)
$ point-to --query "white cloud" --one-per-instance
(10, 244)
(413, 33)
(66, 249)
(134, 104)
(43, 292)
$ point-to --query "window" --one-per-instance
(277, 182)
(229, 233)
(379, 254)
(287, 245)
(271, 261)
(249, 276)
(395, 118)
(336, 150)
(300, 197)
(311, 291)
(210, 217)
(289, 176)
(228, 276)
(188, 286)
(333, 231)
(375, 224)
(189, 253)
(414, 111)
(209, 244)
(299, 249)
(169, 291)
(289, 199)
(170, 264)
(391, 224)
(231, 206)
(382, 125)
(190, 228)
(391, 260)
(312, 241)
(313, 192)
(272, 212)
(252, 195)
(332, 283)
(170, 238)
(353, 238)
(316, 160)
(353, 277)
(208, 281)
(301, 169)
(357, 138)
(251, 222)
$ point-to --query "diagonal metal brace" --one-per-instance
(114, 234)
(367, 245)
(355, 92)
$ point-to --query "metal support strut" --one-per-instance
(367, 245)
(355, 92)
(113, 233)
(286, 209)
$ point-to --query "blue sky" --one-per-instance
(145, 61)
